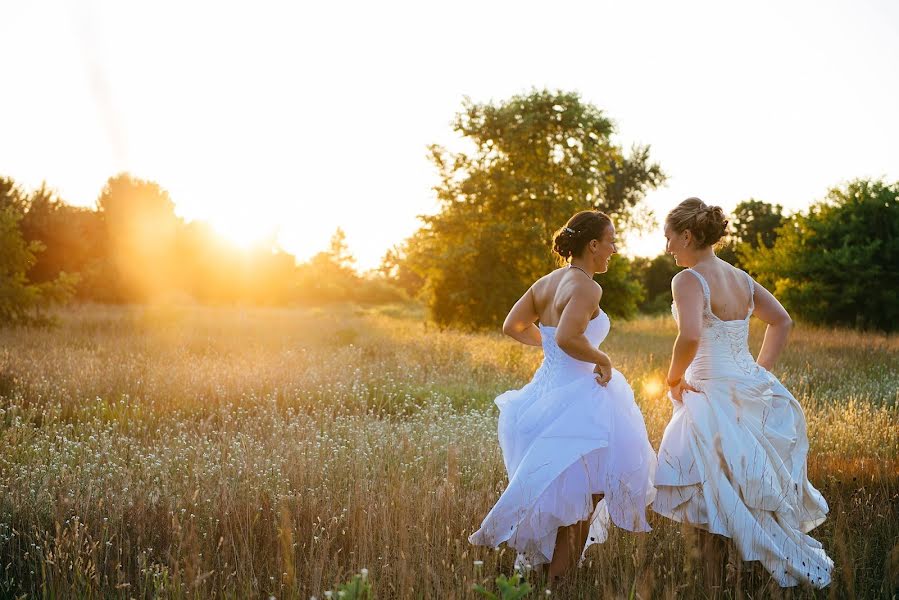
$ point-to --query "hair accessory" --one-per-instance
(570, 230)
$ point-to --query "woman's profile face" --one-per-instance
(675, 243)
(604, 249)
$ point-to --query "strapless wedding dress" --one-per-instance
(564, 437)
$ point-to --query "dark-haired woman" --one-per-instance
(573, 441)
(732, 461)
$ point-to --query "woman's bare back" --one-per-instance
(730, 296)
(553, 291)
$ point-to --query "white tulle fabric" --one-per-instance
(564, 438)
(733, 458)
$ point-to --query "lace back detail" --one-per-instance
(724, 346)
(552, 354)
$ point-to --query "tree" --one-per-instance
(395, 269)
(69, 235)
(839, 263)
(12, 196)
(534, 161)
(141, 236)
(756, 223)
(339, 251)
(622, 290)
(20, 300)
(656, 275)
(329, 276)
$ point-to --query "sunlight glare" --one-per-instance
(652, 387)
(244, 231)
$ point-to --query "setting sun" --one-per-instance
(244, 231)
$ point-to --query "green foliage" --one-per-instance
(329, 277)
(622, 290)
(21, 301)
(17, 297)
(357, 588)
(12, 196)
(534, 161)
(839, 263)
(508, 588)
(756, 223)
(71, 237)
(656, 275)
(395, 269)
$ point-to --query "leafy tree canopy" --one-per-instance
(535, 160)
(839, 262)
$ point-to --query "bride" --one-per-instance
(732, 461)
(573, 441)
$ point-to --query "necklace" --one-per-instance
(579, 269)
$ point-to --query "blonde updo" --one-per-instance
(573, 237)
(706, 223)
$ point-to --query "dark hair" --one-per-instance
(584, 226)
(706, 223)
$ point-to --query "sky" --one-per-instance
(301, 117)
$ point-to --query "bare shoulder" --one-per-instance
(588, 289)
(730, 268)
(745, 275)
(543, 282)
(685, 282)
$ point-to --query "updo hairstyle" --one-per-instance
(706, 223)
(570, 240)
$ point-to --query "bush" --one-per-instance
(839, 263)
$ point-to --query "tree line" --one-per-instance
(133, 248)
(530, 162)
(535, 159)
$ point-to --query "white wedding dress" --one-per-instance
(733, 458)
(565, 437)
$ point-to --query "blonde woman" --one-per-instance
(732, 461)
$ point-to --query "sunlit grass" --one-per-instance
(242, 453)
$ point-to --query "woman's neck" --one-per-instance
(701, 256)
(583, 265)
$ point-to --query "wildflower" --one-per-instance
(479, 563)
(364, 573)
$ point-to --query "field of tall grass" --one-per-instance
(200, 452)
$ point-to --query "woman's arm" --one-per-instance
(519, 323)
(688, 298)
(572, 325)
(772, 312)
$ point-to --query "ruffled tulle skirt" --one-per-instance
(561, 445)
(733, 462)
